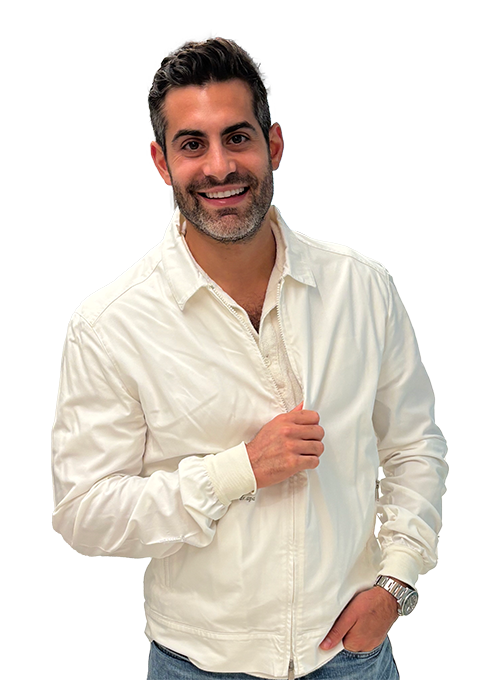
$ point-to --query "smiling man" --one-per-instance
(226, 404)
(221, 173)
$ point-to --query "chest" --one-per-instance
(253, 304)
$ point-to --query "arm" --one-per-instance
(411, 451)
(102, 504)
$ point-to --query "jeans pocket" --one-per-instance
(170, 652)
(365, 655)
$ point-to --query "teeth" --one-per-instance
(225, 194)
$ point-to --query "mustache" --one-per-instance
(232, 178)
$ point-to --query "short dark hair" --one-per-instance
(198, 63)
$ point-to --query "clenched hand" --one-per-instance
(288, 444)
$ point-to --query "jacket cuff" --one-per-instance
(231, 473)
(401, 563)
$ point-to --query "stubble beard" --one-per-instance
(227, 225)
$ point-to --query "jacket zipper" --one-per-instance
(291, 665)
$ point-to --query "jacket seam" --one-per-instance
(203, 632)
(120, 294)
(376, 266)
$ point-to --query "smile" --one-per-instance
(224, 194)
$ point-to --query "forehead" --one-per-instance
(208, 107)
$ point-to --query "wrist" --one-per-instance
(404, 595)
(231, 474)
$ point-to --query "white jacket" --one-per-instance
(158, 374)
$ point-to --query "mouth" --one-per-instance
(224, 197)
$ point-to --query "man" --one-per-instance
(192, 392)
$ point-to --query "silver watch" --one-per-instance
(407, 597)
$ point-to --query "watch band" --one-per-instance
(406, 596)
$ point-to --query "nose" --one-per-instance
(218, 162)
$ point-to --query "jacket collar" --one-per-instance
(185, 277)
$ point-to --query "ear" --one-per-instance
(161, 162)
(276, 145)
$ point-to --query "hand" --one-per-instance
(365, 622)
(288, 444)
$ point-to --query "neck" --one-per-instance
(237, 267)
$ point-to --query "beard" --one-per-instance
(231, 224)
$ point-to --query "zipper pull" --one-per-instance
(291, 670)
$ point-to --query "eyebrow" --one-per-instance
(227, 131)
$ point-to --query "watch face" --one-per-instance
(409, 603)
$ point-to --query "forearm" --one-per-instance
(410, 508)
(133, 516)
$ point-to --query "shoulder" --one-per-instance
(129, 286)
(329, 253)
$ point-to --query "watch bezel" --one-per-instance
(408, 603)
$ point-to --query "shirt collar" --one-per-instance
(185, 277)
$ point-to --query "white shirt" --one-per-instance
(269, 337)
(162, 384)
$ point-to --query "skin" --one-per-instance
(213, 144)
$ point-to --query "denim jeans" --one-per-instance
(379, 664)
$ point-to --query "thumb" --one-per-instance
(299, 407)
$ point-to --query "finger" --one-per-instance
(308, 462)
(303, 438)
(306, 417)
(339, 630)
(315, 432)
(299, 407)
(311, 448)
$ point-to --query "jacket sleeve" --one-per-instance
(103, 506)
(411, 450)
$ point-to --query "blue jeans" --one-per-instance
(379, 664)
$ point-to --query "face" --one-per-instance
(218, 161)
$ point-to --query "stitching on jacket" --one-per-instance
(202, 632)
(373, 264)
(118, 295)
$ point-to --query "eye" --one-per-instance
(191, 145)
(238, 138)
